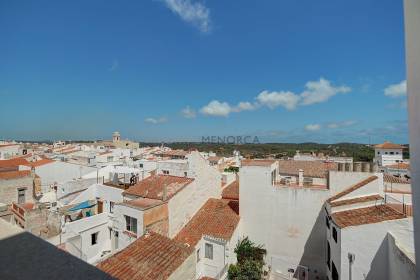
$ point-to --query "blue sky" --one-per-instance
(162, 70)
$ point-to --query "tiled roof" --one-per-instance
(231, 191)
(388, 145)
(356, 200)
(366, 215)
(8, 145)
(143, 203)
(395, 180)
(39, 162)
(7, 175)
(214, 159)
(153, 186)
(257, 162)
(316, 169)
(401, 165)
(21, 161)
(180, 153)
(215, 219)
(13, 162)
(353, 188)
(150, 257)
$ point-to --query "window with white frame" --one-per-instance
(131, 224)
(208, 252)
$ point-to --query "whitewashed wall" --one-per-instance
(369, 244)
(60, 172)
(284, 220)
(206, 185)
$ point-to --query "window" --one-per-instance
(21, 196)
(166, 172)
(185, 174)
(198, 255)
(111, 206)
(379, 153)
(94, 238)
(327, 221)
(334, 273)
(391, 153)
(328, 255)
(334, 234)
(208, 251)
(131, 224)
(141, 165)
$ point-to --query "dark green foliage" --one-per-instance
(359, 152)
(232, 169)
(250, 259)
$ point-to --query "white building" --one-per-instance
(9, 150)
(86, 227)
(213, 233)
(388, 153)
(364, 234)
(288, 218)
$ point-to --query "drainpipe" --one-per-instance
(351, 257)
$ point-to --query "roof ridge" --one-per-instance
(353, 188)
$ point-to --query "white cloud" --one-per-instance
(286, 99)
(312, 127)
(114, 66)
(217, 109)
(341, 124)
(315, 92)
(188, 113)
(223, 109)
(320, 91)
(396, 90)
(243, 106)
(193, 12)
(156, 120)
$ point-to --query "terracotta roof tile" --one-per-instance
(231, 191)
(356, 200)
(214, 159)
(150, 257)
(353, 188)
(40, 162)
(395, 180)
(401, 165)
(7, 175)
(153, 186)
(143, 203)
(13, 162)
(316, 169)
(366, 215)
(388, 145)
(257, 162)
(215, 218)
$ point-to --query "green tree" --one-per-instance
(250, 263)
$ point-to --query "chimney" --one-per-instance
(300, 180)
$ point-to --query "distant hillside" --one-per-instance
(360, 152)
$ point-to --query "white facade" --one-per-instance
(9, 150)
(386, 157)
(78, 234)
(369, 244)
(222, 256)
(289, 221)
(59, 172)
